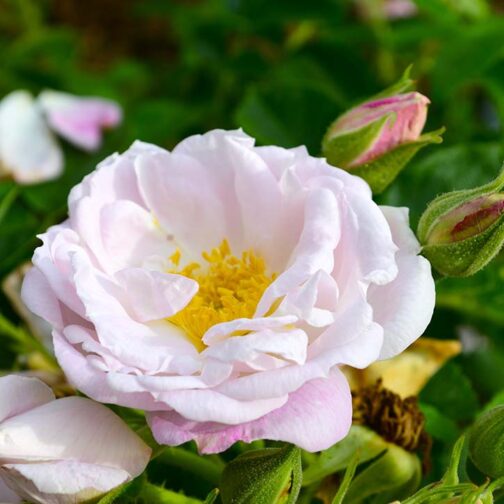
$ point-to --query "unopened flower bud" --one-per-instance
(270, 475)
(377, 138)
(393, 120)
(463, 230)
(486, 443)
(467, 220)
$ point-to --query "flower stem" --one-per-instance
(208, 468)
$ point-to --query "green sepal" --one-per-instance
(486, 443)
(268, 476)
(341, 150)
(394, 475)
(382, 171)
(124, 493)
(403, 85)
(212, 496)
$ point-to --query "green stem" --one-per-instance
(26, 342)
(430, 491)
(7, 202)
(201, 465)
(153, 493)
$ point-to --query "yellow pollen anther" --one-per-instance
(229, 288)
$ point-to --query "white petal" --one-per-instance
(210, 406)
(27, 147)
(62, 482)
(404, 307)
(153, 295)
(315, 417)
(289, 345)
(19, 394)
(73, 428)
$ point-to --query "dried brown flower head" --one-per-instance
(397, 420)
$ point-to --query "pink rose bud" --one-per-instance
(65, 450)
(463, 231)
(378, 138)
(467, 220)
(394, 120)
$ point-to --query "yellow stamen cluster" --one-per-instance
(229, 288)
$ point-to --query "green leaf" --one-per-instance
(258, 119)
(439, 426)
(450, 391)
(293, 107)
(480, 296)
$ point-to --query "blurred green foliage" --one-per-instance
(282, 70)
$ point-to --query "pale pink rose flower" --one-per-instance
(79, 120)
(386, 9)
(28, 150)
(221, 286)
(62, 451)
(404, 114)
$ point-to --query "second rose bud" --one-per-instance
(377, 138)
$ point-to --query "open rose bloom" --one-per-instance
(221, 285)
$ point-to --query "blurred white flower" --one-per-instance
(386, 9)
(29, 151)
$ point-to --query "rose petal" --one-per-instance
(73, 428)
(62, 482)
(404, 307)
(315, 417)
(19, 394)
(27, 147)
(79, 120)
